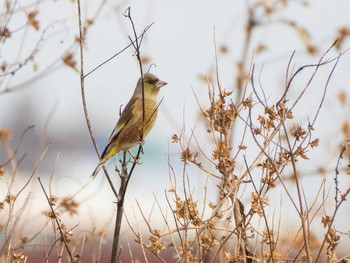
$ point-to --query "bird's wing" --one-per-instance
(127, 115)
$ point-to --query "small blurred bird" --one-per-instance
(127, 132)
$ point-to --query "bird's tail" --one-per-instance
(98, 168)
(107, 153)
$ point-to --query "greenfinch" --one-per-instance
(128, 131)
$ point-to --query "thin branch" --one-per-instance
(125, 176)
(82, 88)
(119, 52)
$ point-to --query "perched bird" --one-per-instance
(127, 133)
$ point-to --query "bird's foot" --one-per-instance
(141, 142)
(136, 160)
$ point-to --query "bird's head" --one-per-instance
(151, 84)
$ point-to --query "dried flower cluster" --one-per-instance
(156, 245)
(186, 211)
(258, 203)
(221, 114)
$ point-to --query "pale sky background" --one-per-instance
(181, 44)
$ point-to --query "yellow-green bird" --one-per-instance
(127, 132)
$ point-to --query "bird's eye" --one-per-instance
(152, 81)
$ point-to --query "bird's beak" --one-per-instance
(160, 84)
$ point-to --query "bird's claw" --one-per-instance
(136, 159)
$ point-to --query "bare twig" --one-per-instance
(338, 202)
(82, 88)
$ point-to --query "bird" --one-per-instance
(128, 130)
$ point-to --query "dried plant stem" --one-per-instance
(63, 235)
(301, 211)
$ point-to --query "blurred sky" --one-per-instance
(181, 44)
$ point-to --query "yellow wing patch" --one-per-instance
(112, 152)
